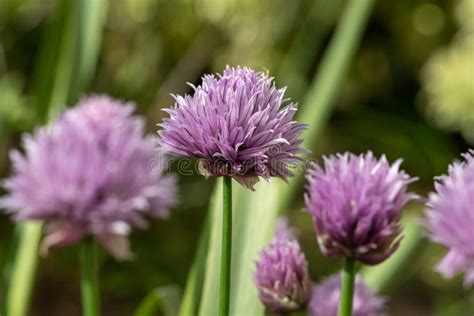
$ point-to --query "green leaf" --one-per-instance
(14, 114)
(306, 45)
(209, 305)
(463, 307)
(69, 54)
(23, 269)
(337, 58)
(91, 19)
(194, 284)
(255, 213)
(163, 299)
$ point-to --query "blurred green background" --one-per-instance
(409, 92)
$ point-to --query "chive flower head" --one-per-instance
(282, 276)
(356, 203)
(236, 123)
(451, 218)
(87, 174)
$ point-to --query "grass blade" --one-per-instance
(306, 45)
(23, 269)
(341, 50)
(209, 302)
(67, 56)
(193, 291)
(163, 299)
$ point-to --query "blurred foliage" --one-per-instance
(152, 47)
(14, 115)
(448, 78)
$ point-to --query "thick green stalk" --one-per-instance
(194, 284)
(67, 60)
(22, 273)
(89, 281)
(224, 301)
(347, 287)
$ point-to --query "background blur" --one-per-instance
(409, 93)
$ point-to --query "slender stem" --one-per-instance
(226, 248)
(89, 280)
(347, 288)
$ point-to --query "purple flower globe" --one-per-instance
(325, 299)
(236, 123)
(451, 218)
(356, 203)
(282, 276)
(88, 174)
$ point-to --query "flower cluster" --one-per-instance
(355, 202)
(237, 124)
(283, 282)
(282, 276)
(451, 218)
(87, 174)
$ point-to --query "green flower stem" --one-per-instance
(226, 248)
(89, 280)
(299, 313)
(347, 287)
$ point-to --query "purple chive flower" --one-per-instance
(88, 174)
(325, 299)
(282, 276)
(355, 202)
(451, 218)
(237, 123)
